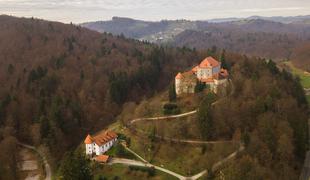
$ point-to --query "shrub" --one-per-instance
(171, 108)
(150, 171)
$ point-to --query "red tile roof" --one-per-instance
(179, 76)
(209, 62)
(105, 137)
(102, 138)
(88, 139)
(102, 158)
(195, 69)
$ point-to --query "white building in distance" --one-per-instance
(100, 143)
(209, 71)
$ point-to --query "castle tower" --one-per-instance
(178, 83)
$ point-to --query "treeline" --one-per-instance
(145, 78)
(268, 109)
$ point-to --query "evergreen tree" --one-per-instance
(172, 93)
(44, 127)
(223, 60)
(200, 86)
(205, 118)
(75, 167)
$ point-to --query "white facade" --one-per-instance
(178, 88)
(99, 150)
(208, 71)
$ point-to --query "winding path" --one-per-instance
(47, 167)
(163, 117)
(190, 141)
(145, 163)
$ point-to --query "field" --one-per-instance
(304, 76)
(154, 106)
(118, 171)
(185, 159)
(182, 158)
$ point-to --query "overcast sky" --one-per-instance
(78, 11)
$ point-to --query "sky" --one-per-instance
(78, 11)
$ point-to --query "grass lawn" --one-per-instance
(183, 128)
(304, 76)
(154, 106)
(123, 172)
(308, 98)
(184, 159)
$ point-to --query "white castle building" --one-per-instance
(100, 143)
(209, 71)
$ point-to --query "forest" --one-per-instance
(267, 111)
(59, 82)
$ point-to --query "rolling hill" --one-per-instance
(252, 36)
(59, 82)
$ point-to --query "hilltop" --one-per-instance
(252, 36)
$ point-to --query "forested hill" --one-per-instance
(59, 82)
(274, 38)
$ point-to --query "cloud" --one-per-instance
(257, 10)
(87, 10)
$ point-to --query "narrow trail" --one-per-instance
(47, 167)
(145, 163)
(163, 117)
(189, 141)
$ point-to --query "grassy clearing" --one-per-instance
(182, 158)
(183, 128)
(304, 76)
(154, 106)
(119, 171)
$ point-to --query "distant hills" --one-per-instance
(253, 36)
(281, 19)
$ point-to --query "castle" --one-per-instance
(209, 71)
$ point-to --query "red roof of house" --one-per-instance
(101, 138)
(102, 158)
(104, 137)
(195, 69)
(209, 62)
(179, 76)
(88, 139)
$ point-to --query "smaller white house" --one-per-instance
(100, 143)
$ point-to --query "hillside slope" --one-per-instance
(59, 82)
(252, 36)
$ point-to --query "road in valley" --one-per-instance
(47, 167)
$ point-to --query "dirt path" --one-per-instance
(28, 165)
(48, 172)
(145, 163)
(163, 117)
